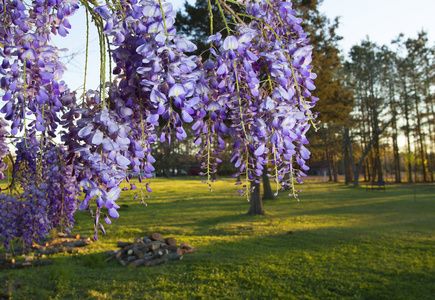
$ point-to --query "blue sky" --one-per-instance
(381, 20)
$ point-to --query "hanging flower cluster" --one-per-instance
(261, 80)
(24, 215)
(154, 85)
(256, 87)
(30, 78)
(62, 188)
(31, 68)
(43, 195)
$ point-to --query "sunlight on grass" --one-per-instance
(337, 242)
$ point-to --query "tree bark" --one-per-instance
(408, 133)
(369, 146)
(267, 190)
(328, 159)
(346, 156)
(334, 166)
(256, 202)
(420, 135)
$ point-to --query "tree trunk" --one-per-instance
(396, 154)
(369, 146)
(256, 202)
(334, 167)
(408, 134)
(328, 159)
(267, 190)
(379, 163)
(346, 156)
(364, 168)
(420, 135)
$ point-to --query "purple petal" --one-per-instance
(259, 151)
(114, 193)
(305, 153)
(176, 90)
(85, 131)
(100, 202)
(39, 127)
(108, 221)
(126, 111)
(84, 204)
(153, 119)
(109, 145)
(122, 161)
(102, 228)
(113, 213)
(230, 43)
(7, 96)
(186, 117)
(97, 138)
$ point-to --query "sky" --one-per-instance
(380, 20)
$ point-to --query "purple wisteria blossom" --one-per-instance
(255, 88)
(260, 80)
(31, 70)
(155, 86)
(44, 194)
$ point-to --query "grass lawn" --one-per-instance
(336, 243)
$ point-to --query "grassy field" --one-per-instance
(336, 243)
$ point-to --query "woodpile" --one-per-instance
(149, 251)
(8, 262)
(63, 243)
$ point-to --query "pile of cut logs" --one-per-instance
(150, 251)
(63, 243)
(7, 262)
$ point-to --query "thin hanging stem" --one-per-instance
(223, 16)
(87, 54)
(231, 12)
(210, 12)
(24, 95)
(163, 16)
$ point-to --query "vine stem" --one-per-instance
(163, 16)
(243, 123)
(208, 152)
(210, 12)
(231, 12)
(223, 16)
(292, 179)
(24, 95)
(87, 54)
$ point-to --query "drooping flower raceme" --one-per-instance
(154, 86)
(261, 81)
(43, 195)
(30, 67)
(31, 73)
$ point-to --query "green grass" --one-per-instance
(336, 243)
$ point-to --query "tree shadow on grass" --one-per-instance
(331, 262)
